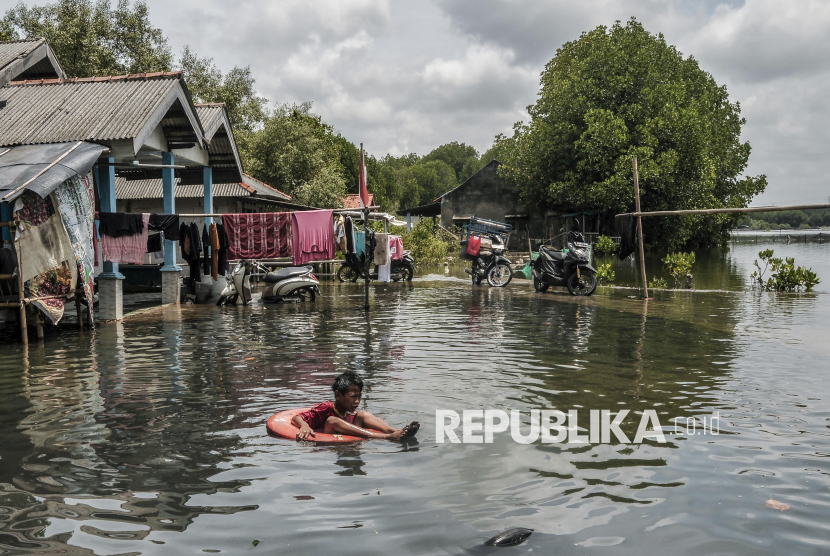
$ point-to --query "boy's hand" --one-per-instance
(305, 432)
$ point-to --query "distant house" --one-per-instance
(487, 195)
(353, 201)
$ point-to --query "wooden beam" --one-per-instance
(726, 210)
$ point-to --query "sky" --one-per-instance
(404, 76)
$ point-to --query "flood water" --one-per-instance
(148, 436)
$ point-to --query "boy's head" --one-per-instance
(348, 389)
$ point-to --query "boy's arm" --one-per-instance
(305, 429)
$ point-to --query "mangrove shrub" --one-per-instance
(619, 93)
(784, 275)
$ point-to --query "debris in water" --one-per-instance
(255, 542)
(776, 505)
(250, 358)
(511, 537)
(304, 497)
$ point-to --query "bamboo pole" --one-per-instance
(24, 329)
(640, 229)
(638, 214)
(367, 242)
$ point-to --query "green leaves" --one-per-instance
(785, 276)
(620, 92)
(93, 39)
(679, 265)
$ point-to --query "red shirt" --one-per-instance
(317, 415)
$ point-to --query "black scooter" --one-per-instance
(571, 269)
(354, 267)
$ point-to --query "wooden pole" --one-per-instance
(24, 329)
(367, 243)
(640, 229)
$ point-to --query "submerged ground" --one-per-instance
(148, 437)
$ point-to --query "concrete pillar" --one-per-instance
(170, 272)
(110, 282)
(408, 221)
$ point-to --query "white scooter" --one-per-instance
(287, 284)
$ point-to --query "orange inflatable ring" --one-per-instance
(280, 424)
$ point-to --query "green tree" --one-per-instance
(93, 39)
(246, 109)
(462, 158)
(619, 93)
(296, 152)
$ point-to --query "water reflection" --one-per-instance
(147, 437)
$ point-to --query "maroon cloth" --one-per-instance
(264, 235)
(474, 246)
(313, 233)
(316, 416)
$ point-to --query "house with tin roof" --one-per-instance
(28, 59)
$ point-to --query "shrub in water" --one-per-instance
(679, 265)
(785, 276)
(605, 274)
(657, 283)
(605, 245)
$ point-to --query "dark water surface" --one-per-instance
(148, 436)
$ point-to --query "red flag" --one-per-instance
(364, 191)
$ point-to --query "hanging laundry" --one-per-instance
(360, 242)
(627, 230)
(313, 236)
(76, 203)
(396, 248)
(213, 236)
(340, 235)
(47, 260)
(120, 224)
(224, 245)
(167, 223)
(127, 248)
(258, 235)
(195, 262)
(381, 254)
(155, 244)
(350, 239)
(206, 265)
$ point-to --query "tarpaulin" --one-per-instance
(19, 165)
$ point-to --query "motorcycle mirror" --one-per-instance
(561, 230)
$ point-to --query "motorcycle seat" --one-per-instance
(285, 273)
(555, 255)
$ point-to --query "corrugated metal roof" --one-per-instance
(211, 116)
(12, 50)
(90, 109)
(152, 189)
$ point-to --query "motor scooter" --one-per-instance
(290, 283)
(571, 268)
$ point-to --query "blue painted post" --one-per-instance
(168, 181)
(170, 272)
(106, 192)
(408, 221)
(110, 281)
(6, 216)
(207, 181)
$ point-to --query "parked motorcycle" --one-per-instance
(354, 268)
(290, 283)
(491, 263)
(570, 268)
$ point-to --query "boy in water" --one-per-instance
(343, 417)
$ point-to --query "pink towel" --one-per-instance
(396, 248)
(313, 235)
(126, 249)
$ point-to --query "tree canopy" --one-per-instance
(93, 39)
(246, 109)
(619, 93)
